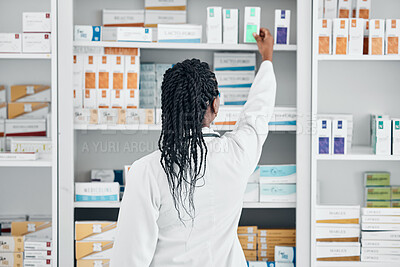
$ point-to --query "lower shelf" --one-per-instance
(356, 264)
(359, 153)
(43, 161)
(246, 205)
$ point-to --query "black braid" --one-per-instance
(187, 90)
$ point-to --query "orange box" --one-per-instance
(28, 229)
(277, 233)
(340, 36)
(28, 110)
(30, 93)
(247, 229)
(376, 37)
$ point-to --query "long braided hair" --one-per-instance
(188, 89)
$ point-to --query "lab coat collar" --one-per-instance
(208, 132)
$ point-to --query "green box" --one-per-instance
(378, 204)
(378, 193)
(395, 204)
(377, 179)
(396, 193)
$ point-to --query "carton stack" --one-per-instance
(37, 32)
(269, 239)
(148, 85)
(248, 239)
(11, 251)
(338, 233)
(378, 192)
(94, 242)
(380, 235)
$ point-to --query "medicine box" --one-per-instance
(37, 255)
(90, 68)
(11, 244)
(86, 116)
(132, 70)
(108, 116)
(187, 33)
(366, 37)
(337, 214)
(31, 144)
(131, 98)
(10, 43)
(282, 26)
(77, 67)
(325, 36)
(103, 98)
(234, 61)
(396, 137)
(378, 193)
(339, 136)
(36, 22)
(95, 230)
(93, 249)
(118, 98)
(228, 116)
(277, 174)
(395, 193)
(247, 229)
(90, 99)
(92, 263)
(252, 193)
(277, 192)
(392, 36)
(104, 71)
(376, 179)
(363, 8)
(165, 5)
(87, 33)
(97, 192)
(382, 137)
(127, 34)
(38, 245)
(233, 96)
(356, 36)
(123, 18)
(140, 116)
(25, 127)
(377, 204)
(117, 66)
(345, 9)
(30, 229)
(230, 26)
(38, 263)
(252, 17)
(350, 251)
(36, 43)
(376, 37)
(214, 25)
(28, 110)
(335, 232)
(395, 204)
(11, 259)
(285, 254)
(330, 8)
(234, 79)
(340, 36)
(155, 17)
(30, 93)
(324, 132)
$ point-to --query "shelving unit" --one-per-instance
(359, 153)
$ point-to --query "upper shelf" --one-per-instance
(24, 56)
(357, 58)
(187, 46)
(359, 153)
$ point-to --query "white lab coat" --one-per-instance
(149, 231)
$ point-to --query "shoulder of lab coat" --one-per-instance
(251, 130)
(137, 230)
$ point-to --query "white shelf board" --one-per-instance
(187, 46)
(247, 205)
(24, 56)
(356, 58)
(355, 264)
(43, 161)
(359, 153)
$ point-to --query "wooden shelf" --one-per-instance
(359, 153)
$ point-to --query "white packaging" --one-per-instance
(338, 249)
(214, 25)
(132, 70)
(392, 36)
(86, 116)
(30, 93)
(325, 36)
(155, 17)
(376, 37)
(118, 98)
(25, 127)
(93, 250)
(77, 68)
(339, 136)
(276, 174)
(252, 18)
(382, 143)
(28, 110)
(252, 193)
(18, 156)
(97, 192)
(337, 214)
(381, 212)
(380, 258)
(87, 33)
(36, 22)
(123, 18)
(90, 69)
(363, 8)
(127, 34)
(379, 243)
(104, 70)
(31, 144)
(165, 5)
(235, 79)
(228, 116)
(337, 231)
(234, 61)
(117, 71)
(187, 33)
(396, 137)
(277, 192)
(324, 135)
(108, 116)
(10, 43)
(320, 9)
(131, 98)
(330, 7)
(230, 26)
(37, 255)
(103, 98)
(37, 263)
(340, 36)
(285, 254)
(390, 235)
(233, 96)
(380, 219)
(140, 116)
(78, 98)
(356, 36)
(380, 227)
(90, 99)
(345, 9)
(282, 26)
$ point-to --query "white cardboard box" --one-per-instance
(108, 116)
(25, 127)
(330, 7)
(86, 116)
(175, 33)
(356, 36)
(230, 26)
(78, 98)
(324, 133)
(277, 192)
(131, 98)
(392, 36)
(235, 79)
(90, 99)
(363, 8)
(90, 69)
(87, 33)
(95, 230)
(127, 34)
(36, 43)
(10, 42)
(118, 98)
(103, 98)
(339, 136)
(234, 61)
(104, 72)
(31, 144)
(132, 71)
(97, 191)
(117, 71)
(36, 22)
(30, 93)
(382, 143)
(77, 67)
(155, 17)
(329, 213)
(345, 9)
(340, 36)
(277, 174)
(396, 137)
(252, 18)
(338, 249)
(38, 263)
(282, 26)
(325, 36)
(214, 25)
(165, 5)
(377, 37)
(329, 231)
(125, 18)
(37, 255)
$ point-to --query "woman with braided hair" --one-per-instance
(183, 202)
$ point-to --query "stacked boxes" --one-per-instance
(338, 233)
(11, 251)
(248, 240)
(269, 239)
(379, 193)
(94, 242)
(164, 12)
(385, 135)
(109, 176)
(380, 235)
(97, 192)
(148, 85)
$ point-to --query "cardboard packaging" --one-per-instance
(285, 254)
(187, 33)
(37, 255)
(340, 36)
(380, 243)
(131, 98)
(10, 43)
(337, 232)
(11, 244)
(87, 33)
(3, 112)
(25, 127)
(36, 22)
(277, 192)
(230, 26)
(396, 137)
(378, 193)
(276, 174)
(103, 98)
(335, 251)
(277, 233)
(234, 96)
(127, 34)
(123, 18)
(363, 8)
(252, 18)
(339, 136)
(382, 137)
(392, 36)
(165, 5)
(77, 67)
(247, 229)
(123, 51)
(132, 70)
(95, 231)
(36, 43)
(90, 68)
(345, 8)
(118, 70)
(376, 236)
(214, 25)
(140, 116)
(337, 214)
(378, 204)
(108, 116)
(376, 179)
(234, 61)
(377, 37)
(30, 93)
(356, 36)
(86, 116)
(28, 110)
(38, 263)
(252, 193)
(78, 98)
(90, 99)
(118, 98)
(330, 7)
(282, 26)
(324, 132)
(380, 227)
(325, 36)
(235, 79)
(31, 144)
(104, 70)
(97, 192)
(3, 94)
(32, 230)
(154, 17)
(380, 212)
(93, 263)
(93, 250)
(380, 258)
(380, 219)
(366, 38)
(38, 245)
(11, 259)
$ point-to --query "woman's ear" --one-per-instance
(215, 105)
